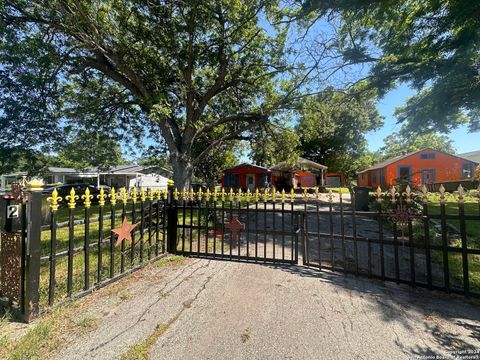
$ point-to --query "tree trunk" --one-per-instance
(182, 171)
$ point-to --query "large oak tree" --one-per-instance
(175, 71)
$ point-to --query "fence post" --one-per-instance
(32, 251)
(172, 218)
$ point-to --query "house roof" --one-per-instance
(300, 164)
(393, 160)
(472, 156)
(250, 165)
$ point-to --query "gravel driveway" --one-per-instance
(229, 310)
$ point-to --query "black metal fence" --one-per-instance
(67, 247)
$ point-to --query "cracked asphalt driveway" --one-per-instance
(231, 310)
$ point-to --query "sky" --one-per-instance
(463, 141)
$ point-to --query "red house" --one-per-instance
(246, 176)
(417, 168)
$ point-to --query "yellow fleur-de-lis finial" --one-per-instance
(134, 195)
(158, 194)
(151, 194)
(379, 194)
(184, 194)
(208, 195)
(442, 192)
(191, 194)
(257, 195)
(143, 196)
(215, 194)
(292, 195)
(87, 198)
(223, 194)
(305, 194)
(175, 194)
(112, 196)
(124, 195)
(408, 194)
(165, 194)
(424, 191)
(265, 195)
(72, 198)
(317, 194)
(54, 200)
(461, 193)
(393, 194)
(248, 195)
(239, 194)
(231, 194)
(283, 197)
(330, 196)
(101, 197)
(274, 195)
(200, 194)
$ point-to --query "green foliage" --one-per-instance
(401, 143)
(432, 45)
(272, 146)
(176, 72)
(332, 130)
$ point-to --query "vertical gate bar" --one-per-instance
(71, 227)
(412, 253)
(165, 219)
(122, 248)
(428, 256)
(157, 225)
(207, 213)
(248, 228)
(142, 227)
(199, 225)
(231, 215)
(53, 255)
(332, 245)
(184, 214)
(214, 226)
(191, 228)
(273, 226)
(318, 236)
(293, 245)
(223, 225)
(446, 272)
(354, 229)
(32, 255)
(395, 246)
(296, 240)
(23, 264)
(463, 235)
(380, 233)
(265, 231)
(256, 230)
(100, 244)
(172, 234)
(112, 240)
(283, 230)
(305, 238)
(342, 227)
(150, 216)
(132, 244)
(239, 233)
(86, 249)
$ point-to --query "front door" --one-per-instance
(251, 182)
(428, 176)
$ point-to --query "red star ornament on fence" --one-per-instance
(124, 232)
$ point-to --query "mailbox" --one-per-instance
(10, 214)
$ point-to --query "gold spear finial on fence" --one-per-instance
(408, 194)
(215, 194)
(330, 196)
(208, 195)
(223, 194)
(101, 197)
(257, 195)
(425, 194)
(124, 195)
(461, 194)
(305, 194)
(151, 194)
(134, 195)
(393, 194)
(265, 195)
(143, 196)
(175, 194)
(87, 198)
(379, 195)
(200, 194)
(54, 200)
(72, 198)
(231, 195)
(191, 194)
(283, 197)
(292, 195)
(274, 195)
(165, 194)
(184, 194)
(112, 196)
(158, 194)
(442, 192)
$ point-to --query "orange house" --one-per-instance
(417, 168)
(246, 176)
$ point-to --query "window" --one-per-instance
(426, 156)
(404, 174)
(374, 179)
(467, 170)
